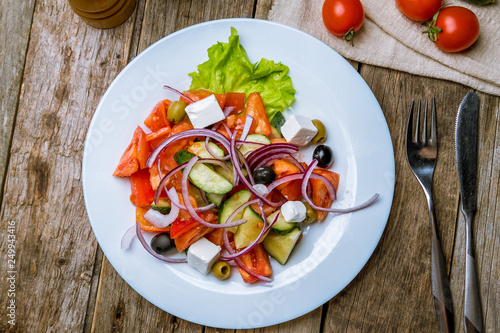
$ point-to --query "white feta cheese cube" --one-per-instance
(205, 112)
(202, 255)
(294, 211)
(299, 130)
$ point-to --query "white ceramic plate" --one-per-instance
(331, 253)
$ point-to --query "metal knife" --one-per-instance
(466, 151)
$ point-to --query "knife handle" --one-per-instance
(473, 318)
(440, 281)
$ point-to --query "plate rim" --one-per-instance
(385, 218)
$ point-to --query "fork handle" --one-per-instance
(440, 281)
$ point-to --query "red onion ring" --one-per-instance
(305, 181)
(272, 151)
(238, 261)
(175, 202)
(228, 110)
(265, 150)
(246, 129)
(265, 229)
(158, 219)
(139, 234)
(178, 92)
(189, 207)
(127, 238)
(248, 185)
(295, 176)
(186, 134)
(239, 209)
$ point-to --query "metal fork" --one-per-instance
(422, 153)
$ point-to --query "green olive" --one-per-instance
(221, 270)
(310, 213)
(321, 135)
(176, 111)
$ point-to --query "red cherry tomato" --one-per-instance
(454, 29)
(419, 10)
(343, 17)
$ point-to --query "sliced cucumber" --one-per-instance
(201, 151)
(182, 156)
(215, 198)
(277, 120)
(163, 206)
(228, 175)
(250, 230)
(281, 246)
(281, 226)
(259, 138)
(275, 134)
(231, 204)
(208, 180)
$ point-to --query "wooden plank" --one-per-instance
(160, 19)
(68, 67)
(486, 227)
(15, 21)
(393, 291)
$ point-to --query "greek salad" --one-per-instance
(215, 173)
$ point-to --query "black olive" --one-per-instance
(264, 175)
(162, 244)
(324, 155)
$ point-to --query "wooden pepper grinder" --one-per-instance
(103, 14)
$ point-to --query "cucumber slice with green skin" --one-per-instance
(228, 175)
(281, 226)
(206, 179)
(275, 134)
(250, 230)
(163, 206)
(231, 204)
(215, 198)
(281, 246)
(201, 151)
(182, 156)
(277, 121)
(259, 138)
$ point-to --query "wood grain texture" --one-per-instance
(15, 22)
(55, 71)
(68, 67)
(393, 291)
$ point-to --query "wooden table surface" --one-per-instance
(54, 71)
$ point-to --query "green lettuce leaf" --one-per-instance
(228, 69)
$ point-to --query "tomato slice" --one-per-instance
(185, 239)
(293, 190)
(320, 196)
(215, 236)
(196, 95)
(145, 225)
(142, 192)
(158, 116)
(157, 137)
(135, 156)
(284, 168)
(257, 260)
(236, 100)
(255, 108)
(179, 227)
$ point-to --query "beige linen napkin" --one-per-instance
(389, 39)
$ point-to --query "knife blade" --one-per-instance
(466, 133)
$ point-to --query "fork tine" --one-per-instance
(409, 126)
(417, 125)
(424, 127)
(433, 139)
